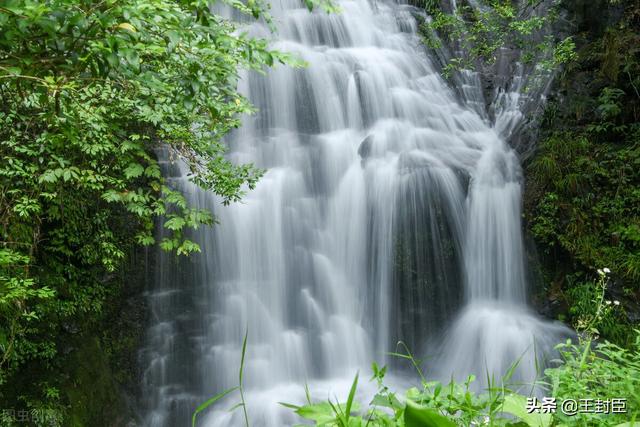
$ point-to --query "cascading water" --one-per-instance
(389, 210)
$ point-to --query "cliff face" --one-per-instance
(580, 202)
(94, 378)
(104, 375)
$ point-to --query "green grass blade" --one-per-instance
(352, 394)
(307, 393)
(208, 403)
(244, 352)
(236, 406)
(289, 405)
(240, 377)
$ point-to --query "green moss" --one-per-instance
(582, 200)
(93, 395)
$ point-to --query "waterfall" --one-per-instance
(389, 210)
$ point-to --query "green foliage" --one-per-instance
(90, 90)
(592, 313)
(482, 31)
(587, 210)
(582, 203)
(432, 404)
(590, 203)
(606, 372)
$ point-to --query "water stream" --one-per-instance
(390, 210)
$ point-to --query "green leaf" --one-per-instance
(48, 176)
(14, 70)
(145, 239)
(321, 413)
(386, 401)
(174, 39)
(127, 26)
(289, 405)
(187, 247)
(419, 416)
(516, 404)
(168, 244)
(176, 223)
(134, 170)
(244, 353)
(111, 196)
(152, 171)
(352, 393)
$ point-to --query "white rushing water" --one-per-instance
(389, 210)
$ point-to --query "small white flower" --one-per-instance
(608, 302)
(606, 270)
(616, 302)
(600, 272)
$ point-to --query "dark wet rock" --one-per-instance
(364, 150)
